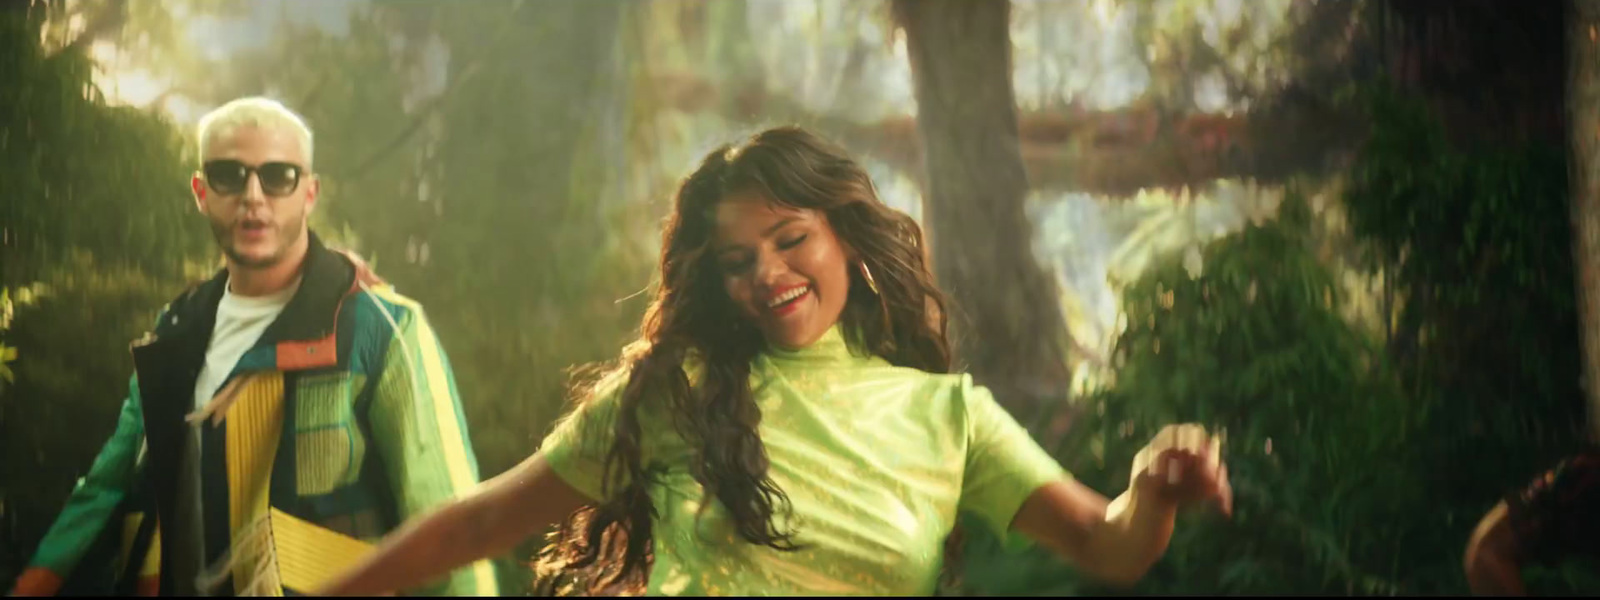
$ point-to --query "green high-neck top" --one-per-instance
(877, 461)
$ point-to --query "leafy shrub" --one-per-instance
(1360, 465)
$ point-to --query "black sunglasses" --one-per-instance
(231, 176)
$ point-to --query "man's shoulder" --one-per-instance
(381, 306)
(196, 298)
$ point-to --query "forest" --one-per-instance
(1342, 232)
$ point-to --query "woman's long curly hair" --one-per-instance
(606, 548)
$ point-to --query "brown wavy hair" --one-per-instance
(606, 548)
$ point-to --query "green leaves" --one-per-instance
(1476, 241)
(7, 354)
(83, 174)
(1256, 344)
(1330, 433)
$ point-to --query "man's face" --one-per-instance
(257, 192)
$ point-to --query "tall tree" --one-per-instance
(1006, 320)
(1583, 110)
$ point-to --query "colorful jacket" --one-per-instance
(346, 406)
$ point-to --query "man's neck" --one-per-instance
(252, 282)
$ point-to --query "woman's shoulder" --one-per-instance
(597, 403)
(615, 378)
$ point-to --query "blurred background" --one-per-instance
(1339, 230)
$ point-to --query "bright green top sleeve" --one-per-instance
(97, 495)
(421, 433)
(1004, 464)
(576, 448)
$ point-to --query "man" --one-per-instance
(1555, 518)
(281, 416)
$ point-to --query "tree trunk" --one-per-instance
(1583, 102)
(1005, 319)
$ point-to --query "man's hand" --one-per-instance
(36, 582)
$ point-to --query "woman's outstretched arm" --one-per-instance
(1117, 541)
(489, 522)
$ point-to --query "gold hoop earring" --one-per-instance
(883, 303)
(866, 274)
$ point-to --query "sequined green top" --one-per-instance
(876, 459)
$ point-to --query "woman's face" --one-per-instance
(784, 268)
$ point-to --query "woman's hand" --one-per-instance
(1117, 541)
(1183, 466)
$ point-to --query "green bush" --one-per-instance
(1256, 348)
(1478, 240)
(1384, 451)
(95, 201)
(70, 381)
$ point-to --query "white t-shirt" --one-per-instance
(240, 322)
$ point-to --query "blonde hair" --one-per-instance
(257, 112)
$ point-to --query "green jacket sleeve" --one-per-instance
(96, 496)
(421, 434)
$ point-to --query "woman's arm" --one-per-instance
(1112, 541)
(1117, 541)
(491, 521)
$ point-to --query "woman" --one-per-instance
(793, 369)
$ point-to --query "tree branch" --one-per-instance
(304, 105)
(1112, 153)
(100, 24)
(176, 90)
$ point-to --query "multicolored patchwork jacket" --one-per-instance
(340, 423)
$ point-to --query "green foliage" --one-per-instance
(69, 388)
(92, 246)
(79, 174)
(1360, 465)
(1255, 348)
(7, 353)
(1478, 241)
(148, 34)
